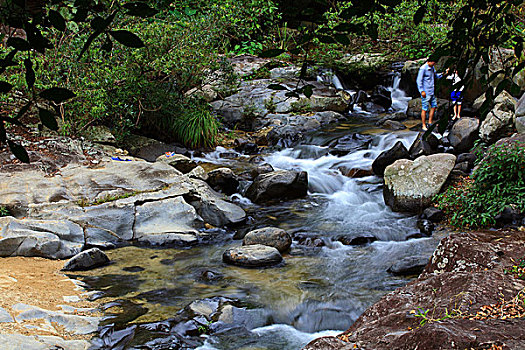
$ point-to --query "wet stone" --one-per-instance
(269, 236)
(361, 240)
(133, 269)
(86, 260)
(412, 265)
(256, 255)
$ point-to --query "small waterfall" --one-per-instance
(399, 98)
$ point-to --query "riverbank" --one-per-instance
(40, 304)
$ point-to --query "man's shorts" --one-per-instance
(456, 97)
(429, 100)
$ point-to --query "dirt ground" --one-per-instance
(38, 282)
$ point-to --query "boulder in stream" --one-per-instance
(270, 236)
(398, 151)
(256, 255)
(463, 134)
(87, 260)
(280, 184)
(409, 186)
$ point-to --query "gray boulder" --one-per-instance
(409, 186)
(398, 151)
(463, 134)
(211, 207)
(87, 260)
(167, 222)
(280, 184)
(496, 125)
(223, 180)
(256, 255)
(270, 236)
(178, 161)
(54, 239)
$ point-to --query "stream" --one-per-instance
(322, 287)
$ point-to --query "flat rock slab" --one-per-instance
(256, 255)
(39, 342)
(5, 316)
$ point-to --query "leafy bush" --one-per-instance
(498, 182)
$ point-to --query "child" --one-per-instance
(457, 95)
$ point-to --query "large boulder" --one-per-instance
(223, 180)
(463, 295)
(53, 239)
(520, 115)
(463, 134)
(398, 151)
(409, 186)
(280, 184)
(211, 207)
(170, 221)
(496, 125)
(87, 260)
(270, 236)
(423, 146)
(256, 255)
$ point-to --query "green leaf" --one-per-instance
(30, 73)
(18, 151)
(189, 11)
(57, 20)
(88, 43)
(518, 68)
(140, 9)
(420, 13)
(518, 49)
(57, 94)
(108, 45)
(308, 91)
(19, 44)
(271, 53)
(98, 24)
(48, 118)
(5, 87)
(292, 94)
(126, 38)
(277, 87)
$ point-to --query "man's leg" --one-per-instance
(423, 118)
(431, 115)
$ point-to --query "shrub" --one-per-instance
(498, 182)
(197, 127)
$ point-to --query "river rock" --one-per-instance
(87, 260)
(212, 208)
(463, 277)
(54, 239)
(423, 146)
(166, 222)
(410, 185)
(255, 255)
(463, 134)
(40, 342)
(5, 316)
(359, 240)
(349, 143)
(223, 180)
(412, 265)
(198, 173)
(178, 161)
(433, 214)
(470, 158)
(425, 227)
(280, 184)
(393, 125)
(398, 151)
(497, 124)
(270, 236)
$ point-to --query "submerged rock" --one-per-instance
(256, 255)
(269, 236)
(87, 260)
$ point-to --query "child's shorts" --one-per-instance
(456, 97)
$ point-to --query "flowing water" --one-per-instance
(320, 290)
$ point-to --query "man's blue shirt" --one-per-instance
(426, 78)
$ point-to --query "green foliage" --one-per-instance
(498, 182)
(197, 127)
(4, 211)
(517, 270)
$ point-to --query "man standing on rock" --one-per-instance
(425, 84)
